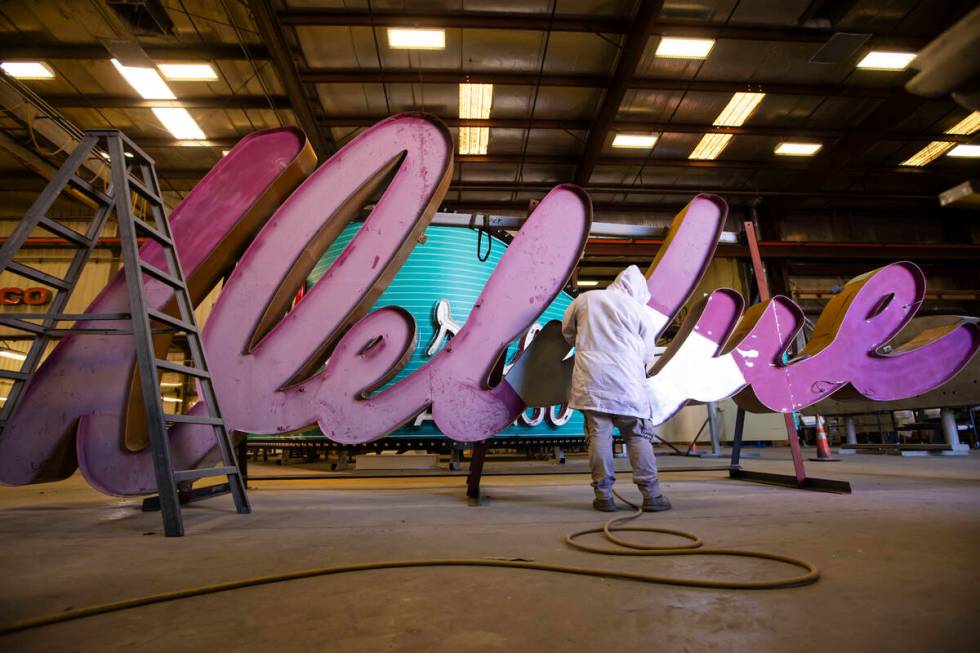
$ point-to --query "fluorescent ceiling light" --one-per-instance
(710, 146)
(587, 284)
(416, 39)
(936, 149)
(798, 149)
(170, 384)
(966, 126)
(146, 81)
(969, 151)
(188, 72)
(27, 69)
(644, 141)
(881, 60)
(738, 109)
(173, 400)
(929, 153)
(474, 140)
(179, 123)
(676, 48)
(13, 354)
(475, 100)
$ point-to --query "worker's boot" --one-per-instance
(604, 502)
(655, 504)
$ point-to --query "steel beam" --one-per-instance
(184, 179)
(544, 187)
(454, 20)
(630, 125)
(358, 76)
(632, 50)
(80, 101)
(653, 126)
(679, 85)
(39, 165)
(282, 102)
(772, 88)
(154, 142)
(271, 33)
(505, 123)
(569, 23)
(40, 49)
(26, 108)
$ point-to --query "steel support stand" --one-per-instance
(477, 460)
(799, 479)
(559, 455)
(714, 428)
(850, 429)
(951, 433)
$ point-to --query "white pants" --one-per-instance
(638, 435)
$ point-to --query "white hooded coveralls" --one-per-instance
(614, 337)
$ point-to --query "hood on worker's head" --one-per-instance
(632, 282)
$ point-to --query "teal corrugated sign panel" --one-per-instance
(446, 267)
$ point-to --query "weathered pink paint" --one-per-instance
(530, 274)
(266, 366)
(683, 260)
(843, 351)
(718, 355)
(257, 388)
(91, 374)
(874, 308)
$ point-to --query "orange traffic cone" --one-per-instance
(823, 447)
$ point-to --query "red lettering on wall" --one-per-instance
(28, 296)
(37, 296)
(11, 296)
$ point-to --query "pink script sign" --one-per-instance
(267, 364)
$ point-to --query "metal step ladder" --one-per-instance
(124, 159)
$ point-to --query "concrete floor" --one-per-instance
(899, 559)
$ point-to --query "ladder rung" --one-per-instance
(152, 232)
(21, 325)
(172, 321)
(89, 189)
(94, 331)
(138, 186)
(65, 232)
(160, 275)
(182, 369)
(17, 376)
(195, 419)
(192, 474)
(37, 275)
(65, 317)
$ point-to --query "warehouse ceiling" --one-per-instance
(568, 76)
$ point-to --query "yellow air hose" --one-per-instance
(630, 549)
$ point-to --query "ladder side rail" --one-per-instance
(185, 309)
(44, 201)
(149, 382)
(23, 230)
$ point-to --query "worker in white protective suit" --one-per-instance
(614, 337)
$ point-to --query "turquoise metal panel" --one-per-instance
(446, 267)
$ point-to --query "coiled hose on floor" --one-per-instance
(629, 548)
